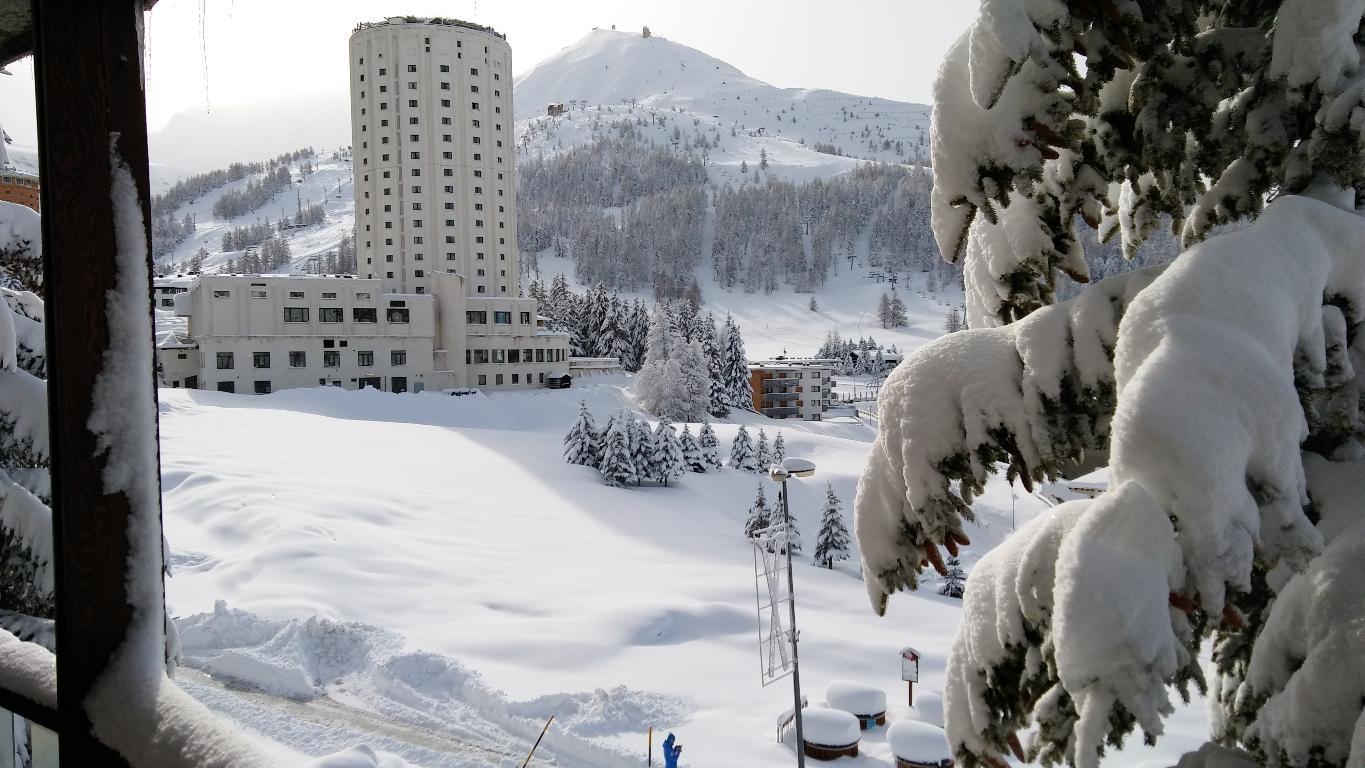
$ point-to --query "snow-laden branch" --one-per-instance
(1214, 362)
(1036, 394)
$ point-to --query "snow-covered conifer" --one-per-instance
(741, 451)
(955, 581)
(735, 367)
(763, 456)
(667, 461)
(618, 464)
(581, 444)
(782, 512)
(642, 450)
(718, 393)
(831, 543)
(692, 455)
(1225, 395)
(759, 516)
(710, 446)
(779, 448)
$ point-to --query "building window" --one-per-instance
(412, 67)
(471, 317)
(298, 360)
(481, 289)
(398, 357)
(525, 318)
(514, 356)
(258, 294)
(364, 315)
(330, 314)
(222, 294)
(296, 294)
(480, 356)
(260, 359)
(444, 67)
(364, 359)
(483, 381)
(516, 378)
(331, 359)
(540, 355)
(296, 314)
(499, 356)
(497, 379)
(398, 314)
(526, 355)
(226, 386)
(224, 361)
(502, 318)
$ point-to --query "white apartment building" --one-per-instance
(432, 141)
(787, 388)
(261, 333)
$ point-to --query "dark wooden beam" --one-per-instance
(88, 63)
(28, 709)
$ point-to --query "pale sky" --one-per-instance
(271, 50)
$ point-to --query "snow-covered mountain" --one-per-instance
(608, 75)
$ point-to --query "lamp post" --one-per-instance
(779, 474)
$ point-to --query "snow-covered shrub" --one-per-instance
(1206, 380)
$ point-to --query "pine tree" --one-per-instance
(955, 582)
(735, 367)
(814, 305)
(763, 158)
(581, 445)
(953, 324)
(668, 463)
(642, 450)
(759, 516)
(692, 455)
(718, 394)
(896, 312)
(763, 456)
(710, 447)
(618, 465)
(743, 167)
(831, 543)
(779, 448)
(884, 310)
(657, 383)
(742, 451)
(783, 512)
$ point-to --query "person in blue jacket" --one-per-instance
(671, 752)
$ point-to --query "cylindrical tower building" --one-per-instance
(431, 126)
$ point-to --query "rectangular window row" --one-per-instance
(511, 356)
(330, 359)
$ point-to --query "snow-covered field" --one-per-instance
(500, 585)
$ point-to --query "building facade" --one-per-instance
(431, 123)
(18, 186)
(261, 333)
(792, 388)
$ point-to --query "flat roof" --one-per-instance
(431, 20)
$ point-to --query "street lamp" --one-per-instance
(793, 467)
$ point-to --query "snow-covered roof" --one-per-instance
(1091, 483)
(436, 20)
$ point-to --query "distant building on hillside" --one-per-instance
(262, 333)
(20, 187)
(786, 388)
(554, 110)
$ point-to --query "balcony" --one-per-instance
(781, 396)
(781, 412)
(785, 382)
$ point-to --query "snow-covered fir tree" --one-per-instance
(1224, 386)
(814, 305)
(642, 450)
(763, 456)
(692, 455)
(618, 462)
(779, 448)
(954, 322)
(718, 403)
(742, 454)
(710, 446)
(782, 513)
(667, 463)
(831, 543)
(955, 580)
(734, 365)
(582, 444)
(759, 516)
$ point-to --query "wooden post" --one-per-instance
(910, 692)
(88, 66)
(537, 744)
(651, 746)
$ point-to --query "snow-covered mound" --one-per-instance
(608, 76)
(918, 742)
(829, 727)
(855, 698)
